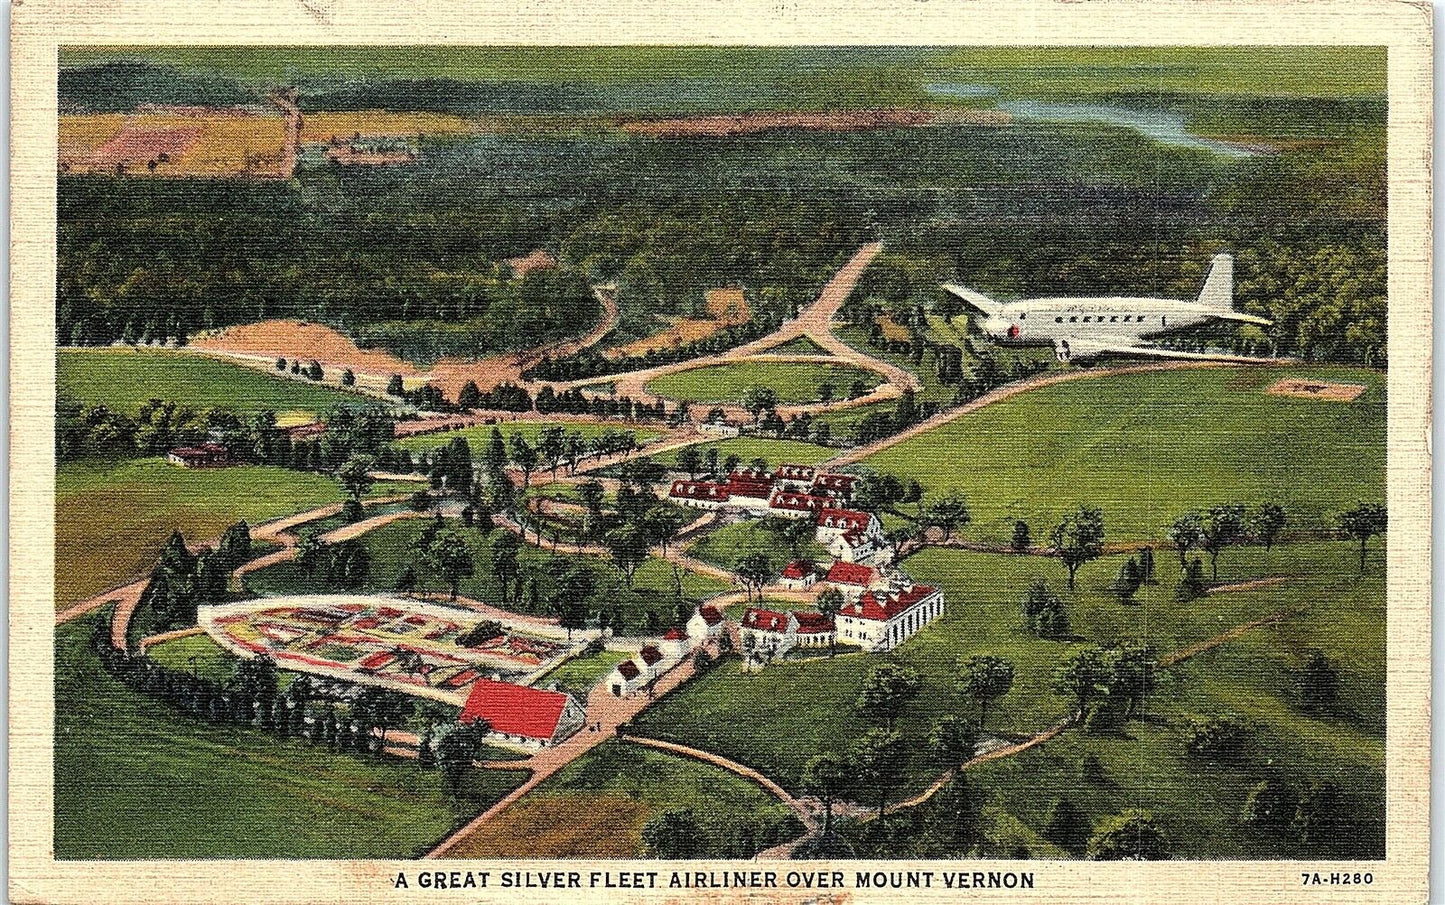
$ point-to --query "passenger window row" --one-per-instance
(1113, 319)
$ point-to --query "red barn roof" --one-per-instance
(851, 573)
(699, 490)
(674, 634)
(847, 519)
(753, 484)
(810, 623)
(882, 607)
(515, 709)
(711, 615)
(792, 472)
(765, 620)
(629, 670)
(798, 569)
(650, 655)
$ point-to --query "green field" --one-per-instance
(124, 379)
(579, 674)
(730, 543)
(597, 805)
(478, 437)
(135, 780)
(774, 452)
(111, 518)
(195, 653)
(777, 719)
(390, 551)
(794, 382)
(1146, 447)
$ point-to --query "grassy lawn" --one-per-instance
(579, 674)
(1146, 447)
(390, 551)
(792, 381)
(135, 780)
(777, 719)
(478, 437)
(774, 452)
(124, 379)
(800, 345)
(210, 659)
(730, 543)
(597, 805)
(111, 518)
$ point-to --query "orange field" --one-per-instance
(305, 341)
(560, 826)
(322, 127)
(189, 143)
(725, 308)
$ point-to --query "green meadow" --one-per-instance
(112, 517)
(1147, 447)
(597, 805)
(794, 382)
(124, 379)
(136, 780)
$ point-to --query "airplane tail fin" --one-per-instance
(974, 298)
(1218, 291)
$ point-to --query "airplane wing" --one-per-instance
(977, 299)
(1086, 348)
(1242, 317)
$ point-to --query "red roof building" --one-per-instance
(711, 615)
(802, 474)
(833, 484)
(844, 520)
(629, 670)
(520, 714)
(880, 620)
(787, 501)
(797, 569)
(762, 620)
(750, 483)
(698, 492)
(675, 634)
(849, 573)
(650, 655)
(204, 455)
(810, 623)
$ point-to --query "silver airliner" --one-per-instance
(1086, 327)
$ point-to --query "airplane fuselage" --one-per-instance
(1121, 320)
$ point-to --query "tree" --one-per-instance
(1192, 585)
(1320, 819)
(394, 386)
(495, 458)
(524, 456)
(456, 749)
(348, 378)
(952, 740)
(1222, 526)
(689, 460)
(1067, 826)
(1078, 538)
(355, 476)
(948, 513)
(1127, 583)
(1044, 612)
(754, 570)
(313, 371)
(661, 524)
(1362, 523)
(828, 603)
(1021, 540)
(1083, 676)
(673, 834)
(1186, 534)
(1128, 836)
(451, 557)
(758, 400)
(280, 364)
(1319, 683)
(953, 813)
(470, 396)
(1220, 740)
(1271, 806)
(878, 759)
(570, 595)
(311, 551)
(1268, 522)
(504, 559)
(889, 689)
(984, 679)
(405, 581)
(828, 777)
(627, 544)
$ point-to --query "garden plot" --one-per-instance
(422, 649)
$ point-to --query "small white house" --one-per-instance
(798, 575)
(625, 679)
(706, 623)
(768, 631)
(719, 429)
(674, 645)
(853, 536)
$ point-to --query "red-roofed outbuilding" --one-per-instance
(521, 715)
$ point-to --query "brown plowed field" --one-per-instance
(305, 341)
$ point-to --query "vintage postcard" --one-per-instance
(720, 452)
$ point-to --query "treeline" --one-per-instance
(158, 426)
(331, 713)
(592, 363)
(182, 581)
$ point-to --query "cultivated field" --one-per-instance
(794, 382)
(1146, 447)
(134, 780)
(303, 340)
(124, 379)
(326, 126)
(596, 806)
(141, 501)
(193, 143)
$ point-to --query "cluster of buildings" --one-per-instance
(655, 659)
(798, 492)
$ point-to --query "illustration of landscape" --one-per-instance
(720, 452)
